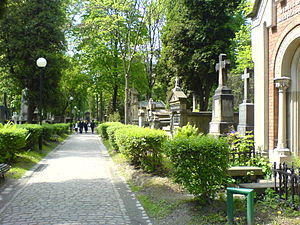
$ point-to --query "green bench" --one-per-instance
(3, 169)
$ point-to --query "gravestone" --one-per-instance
(246, 109)
(133, 106)
(24, 106)
(15, 117)
(222, 112)
(178, 101)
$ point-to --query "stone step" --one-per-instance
(258, 187)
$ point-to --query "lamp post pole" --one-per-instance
(71, 114)
(41, 63)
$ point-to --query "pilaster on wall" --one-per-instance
(277, 35)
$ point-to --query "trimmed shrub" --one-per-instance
(101, 129)
(48, 131)
(141, 146)
(34, 131)
(12, 141)
(199, 163)
(111, 133)
(61, 128)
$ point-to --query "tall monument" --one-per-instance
(246, 109)
(222, 112)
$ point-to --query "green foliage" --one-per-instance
(50, 130)
(102, 129)
(241, 54)
(199, 163)
(141, 146)
(61, 128)
(29, 30)
(12, 141)
(244, 144)
(186, 131)
(34, 131)
(114, 117)
(194, 35)
(111, 133)
(241, 143)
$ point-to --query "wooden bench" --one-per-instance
(3, 169)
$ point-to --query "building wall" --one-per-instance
(271, 25)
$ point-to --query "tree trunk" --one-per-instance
(30, 112)
(115, 98)
(101, 107)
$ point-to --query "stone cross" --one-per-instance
(176, 82)
(221, 67)
(246, 77)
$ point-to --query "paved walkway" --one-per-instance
(75, 184)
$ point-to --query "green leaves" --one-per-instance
(199, 163)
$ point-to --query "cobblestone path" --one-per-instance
(75, 184)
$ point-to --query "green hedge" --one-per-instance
(141, 146)
(199, 163)
(12, 141)
(101, 129)
(111, 130)
(49, 130)
(61, 128)
(34, 131)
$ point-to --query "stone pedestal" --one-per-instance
(246, 118)
(222, 114)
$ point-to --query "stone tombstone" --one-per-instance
(141, 117)
(15, 117)
(133, 105)
(222, 108)
(178, 100)
(246, 109)
(24, 106)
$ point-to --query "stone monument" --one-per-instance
(24, 106)
(246, 109)
(222, 112)
(15, 117)
(178, 100)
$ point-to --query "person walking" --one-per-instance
(92, 126)
(85, 124)
(80, 127)
(76, 128)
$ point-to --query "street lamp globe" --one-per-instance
(41, 62)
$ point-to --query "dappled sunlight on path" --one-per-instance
(75, 184)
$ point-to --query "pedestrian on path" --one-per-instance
(76, 128)
(85, 124)
(92, 126)
(80, 127)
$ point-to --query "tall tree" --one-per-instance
(31, 29)
(111, 32)
(196, 32)
(241, 54)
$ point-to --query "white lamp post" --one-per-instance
(41, 63)
(71, 115)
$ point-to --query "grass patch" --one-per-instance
(156, 209)
(26, 160)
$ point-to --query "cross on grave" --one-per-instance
(246, 77)
(221, 67)
(176, 82)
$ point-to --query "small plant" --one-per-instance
(115, 117)
(186, 131)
